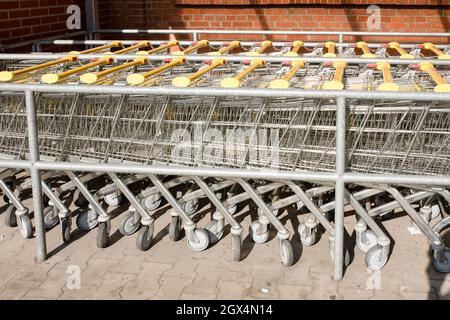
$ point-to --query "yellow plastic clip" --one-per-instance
(331, 49)
(139, 78)
(231, 46)
(441, 55)
(365, 48)
(186, 81)
(403, 54)
(284, 82)
(441, 84)
(388, 84)
(235, 81)
(336, 83)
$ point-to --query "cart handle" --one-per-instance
(264, 46)
(336, 83)
(331, 49)
(163, 47)
(139, 78)
(92, 77)
(139, 45)
(441, 55)
(198, 45)
(388, 84)
(96, 49)
(283, 83)
(224, 50)
(365, 48)
(441, 84)
(403, 54)
(235, 81)
(186, 81)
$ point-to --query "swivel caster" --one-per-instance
(87, 219)
(175, 228)
(103, 235)
(51, 217)
(376, 258)
(236, 242)
(25, 226)
(286, 253)
(129, 224)
(202, 240)
(442, 264)
(152, 202)
(259, 232)
(190, 207)
(66, 224)
(144, 237)
(113, 199)
(366, 240)
(215, 230)
(10, 216)
(307, 235)
(79, 200)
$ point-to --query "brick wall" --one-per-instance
(320, 15)
(23, 20)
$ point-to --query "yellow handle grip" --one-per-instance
(231, 46)
(139, 78)
(296, 45)
(11, 75)
(336, 83)
(283, 83)
(96, 49)
(139, 45)
(236, 80)
(90, 78)
(264, 46)
(441, 55)
(403, 54)
(365, 48)
(199, 45)
(163, 47)
(186, 81)
(388, 84)
(441, 84)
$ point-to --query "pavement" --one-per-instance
(170, 270)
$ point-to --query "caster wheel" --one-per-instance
(286, 253)
(102, 235)
(307, 240)
(128, 226)
(25, 226)
(375, 259)
(371, 241)
(190, 207)
(152, 202)
(202, 242)
(51, 218)
(435, 211)
(236, 247)
(10, 217)
(259, 232)
(113, 199)
(175, 228)
(232, 210)
(346, 256)
(214, 233)
(87, 220)
(144, 238)
(66, 225)
(442, 266)
(79, 200)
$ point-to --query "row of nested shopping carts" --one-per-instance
(201, 131)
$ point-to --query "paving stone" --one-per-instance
(171, 287)
(116, 279)
(132, 293)
(17, 289)
(230, 290)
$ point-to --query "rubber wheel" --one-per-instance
(236, 243)
(10, 217)
(372, 241)
(128, 226)
(286, 253)
(51, 218)
(113, 199)
(213, 232)
(66, 225)
(203, 240)
(144, 238)
(79, 200)
(259, 232)
(102, 235)
(175, 228)
(25, 226)
(150, 204)
(83, 222)
(190, 207)
(374, 258)
(306, 240)
(442, 267)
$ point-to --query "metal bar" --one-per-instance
(270, 32)
(340, 188)
(37, 42)
(11, 196)
(231, 58)
(35, 176)
(227, 92)
(91, 9)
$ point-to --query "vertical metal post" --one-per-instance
(339, 194)
(35, 175)
(91, 17)
(341, 41)
(194, 36)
